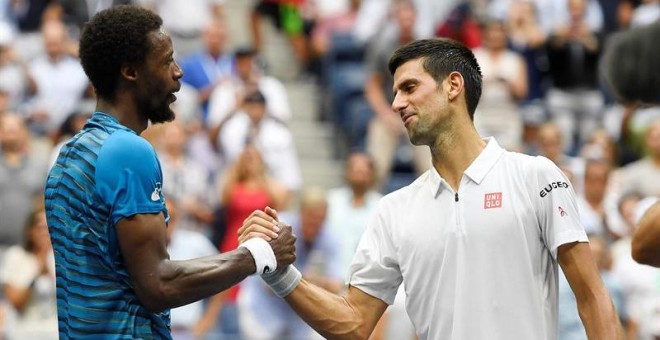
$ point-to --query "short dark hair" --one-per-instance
(111, 38)
(441, 57)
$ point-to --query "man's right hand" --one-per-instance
(284, 246)
(265, 224)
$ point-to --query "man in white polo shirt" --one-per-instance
(475, 240)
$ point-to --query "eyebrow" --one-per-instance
(405, 83)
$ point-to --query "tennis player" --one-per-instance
(104, 201)
(476, 240)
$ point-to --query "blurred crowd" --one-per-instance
(231, 150)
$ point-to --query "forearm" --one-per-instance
(646, 240)
(600, 318)
(336, 320)
(183, 282)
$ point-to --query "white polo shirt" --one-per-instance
(479, 263)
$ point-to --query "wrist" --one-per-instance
(283, 282)
(262, 253)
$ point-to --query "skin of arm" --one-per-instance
(594, 303)
(161, 283)
(646, 239)
(352, 316)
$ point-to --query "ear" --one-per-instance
(454, 84)
(128, 72)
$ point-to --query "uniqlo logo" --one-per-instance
(493, 200)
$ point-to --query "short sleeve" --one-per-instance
(129, 177)
(553, 198)
(375, 269)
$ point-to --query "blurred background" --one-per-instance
(286, 103)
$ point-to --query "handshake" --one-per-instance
(273, 247)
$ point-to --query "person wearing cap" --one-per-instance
(253, 124)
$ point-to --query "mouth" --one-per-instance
(172, 97)
(405, 117)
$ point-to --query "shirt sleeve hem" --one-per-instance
(373, 293)
(141, 209)
(568, 236)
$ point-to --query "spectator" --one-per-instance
(247, 187)
(254, 125)
(646, 13)
(229, 95)
(209, 66)
(287, 17)
(185, 21)
(504, 85)
(640, 283)
(575, 102)
(22, 176)
(591, 203)
(195, 319)
(60, 81)
(351, 206)
(341, 23)
(15, 78)
(265, 316)
(570, 326)
(643, 176)
(184, 180)
(461, 26)
(552, 12)
(385, 130)
(528, 39)
(550, 145)
(29, 282)
(374, 14)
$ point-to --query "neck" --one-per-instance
(12, 157)
(125, 111)
(358, 197)
(455, 149)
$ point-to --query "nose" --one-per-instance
(399, 103)
(178, 72)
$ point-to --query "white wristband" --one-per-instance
(283, 282)
(263, 255)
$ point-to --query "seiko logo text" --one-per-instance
(553, 185)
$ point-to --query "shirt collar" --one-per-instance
(476, 171)
(485, 161)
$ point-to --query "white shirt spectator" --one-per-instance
(457, 251)
(39, 318)
(223, 99)
(349, 222)
(273, 140)
(60, 87)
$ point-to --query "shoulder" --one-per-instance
(126, 150)
(123, 144)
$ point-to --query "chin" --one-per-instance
(162, 116)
